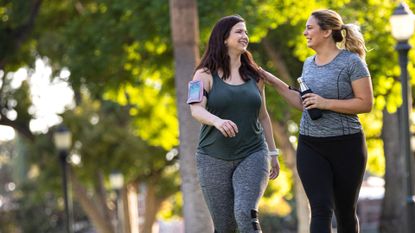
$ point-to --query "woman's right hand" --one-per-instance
(227, 127)
(275, 168)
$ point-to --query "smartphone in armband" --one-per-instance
(195, 92)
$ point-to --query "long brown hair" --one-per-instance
(216, 54)
(353, 39)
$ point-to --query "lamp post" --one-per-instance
(402, 22)
(117, 182)
(63, 140)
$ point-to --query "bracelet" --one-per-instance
(275, 152)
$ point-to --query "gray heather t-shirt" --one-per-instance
(333, 81)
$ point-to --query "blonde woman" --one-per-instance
(331, 153)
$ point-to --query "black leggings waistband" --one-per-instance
(332, 138)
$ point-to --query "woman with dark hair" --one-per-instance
(331, 152)
(236, 142)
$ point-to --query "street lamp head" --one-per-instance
(62, 137)
(402, 22)
(116, 180)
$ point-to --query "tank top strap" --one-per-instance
(216, 80)
(215, 77)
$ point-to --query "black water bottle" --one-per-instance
(314, 113)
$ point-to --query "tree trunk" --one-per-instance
(302, 207)
(100, 197)
(130, 198)
(277, 60)
(126, 223)
(101, 224)
(303, 210)
(393, 206)
(152, 206)
(185, 34)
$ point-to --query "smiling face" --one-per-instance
(314, 34)
(238, 38)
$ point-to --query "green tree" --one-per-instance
(107, 140)
(147, 107)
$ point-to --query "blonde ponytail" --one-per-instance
(354, 41)
(347, 36)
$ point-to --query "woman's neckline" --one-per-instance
(229, 84)
(329, 62)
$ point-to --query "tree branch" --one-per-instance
(155, 172)
(79, 8)
(22, 129)
(101, 223)
(20, 34)
(277, 61)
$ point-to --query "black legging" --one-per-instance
(331, 170)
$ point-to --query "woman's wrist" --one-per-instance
(213, 120)
(274, 152)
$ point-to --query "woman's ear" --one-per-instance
(327, 33)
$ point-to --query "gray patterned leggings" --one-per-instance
(232, 190)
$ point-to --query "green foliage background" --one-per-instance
(119, 54)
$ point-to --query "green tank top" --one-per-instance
(240, 104)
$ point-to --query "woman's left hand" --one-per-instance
(312, 100)
(275, 168)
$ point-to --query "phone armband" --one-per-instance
(195, 92)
